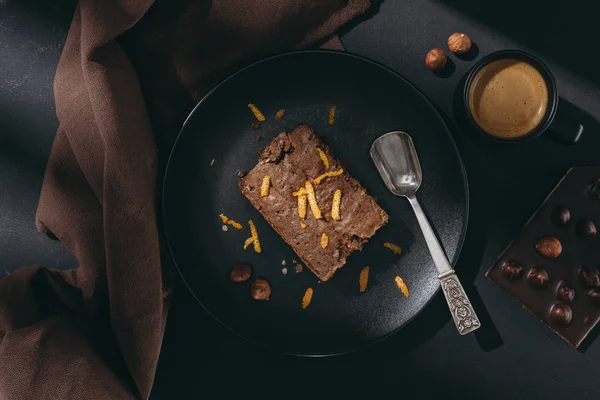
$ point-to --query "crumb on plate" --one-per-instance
(402, 286)
(363, 279)
(393, 247)
(255, 241)
(307, 298)
(257, 113)
(280, 113)
(331, 117)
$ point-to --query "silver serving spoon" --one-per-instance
(396, 160)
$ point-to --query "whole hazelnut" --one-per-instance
(587, 228)
(512, 270)
(459, 43)
(435, 59)
(564, 292)
(240, 273)
(260, 289)
(594, 297)
(549, 247)
(561, 314)
(562, 216)
(589, 277)
(538, 277)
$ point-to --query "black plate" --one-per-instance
(371, 100)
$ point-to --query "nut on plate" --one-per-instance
(435, 59)
(240, 273)
(260, 289)
(549, 247)
(459, 43)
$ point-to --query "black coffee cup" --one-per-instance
(562, 126)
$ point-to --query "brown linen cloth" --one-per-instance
(130, 72)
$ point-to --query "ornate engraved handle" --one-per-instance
(460, 307)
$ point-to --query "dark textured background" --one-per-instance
(515, 357)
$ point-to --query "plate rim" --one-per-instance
(163, 194)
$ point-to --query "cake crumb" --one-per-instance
(257, 113)
(258, 138)
(280, 113)
(225, 228)
(284, 271)
(255, 125)
(363, 279)
(393, 247)
(212, 163)
(298, 268)
(402, 286)
(307, 298)
(283, 262)
(255, 241)
(229, 221)
(331, 117)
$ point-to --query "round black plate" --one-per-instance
(371, 100)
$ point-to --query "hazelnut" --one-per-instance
(562, 216)
(564, 292)
(260, 289)
(512, 270)
(435, 59)
(240, 273)
(594, 297)
(589, 277)
(459, 43)
(538, 277)
(561, 314)
(549, 247)
(587, 228)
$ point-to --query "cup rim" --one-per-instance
(542, 69)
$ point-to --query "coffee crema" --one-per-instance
(508, 98)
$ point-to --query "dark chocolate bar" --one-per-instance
(551, 268)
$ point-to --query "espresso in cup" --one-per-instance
(508, 98)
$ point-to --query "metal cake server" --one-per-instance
(396, 160)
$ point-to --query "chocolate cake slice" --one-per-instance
(292, 159)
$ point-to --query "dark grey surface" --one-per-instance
(507, 185)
